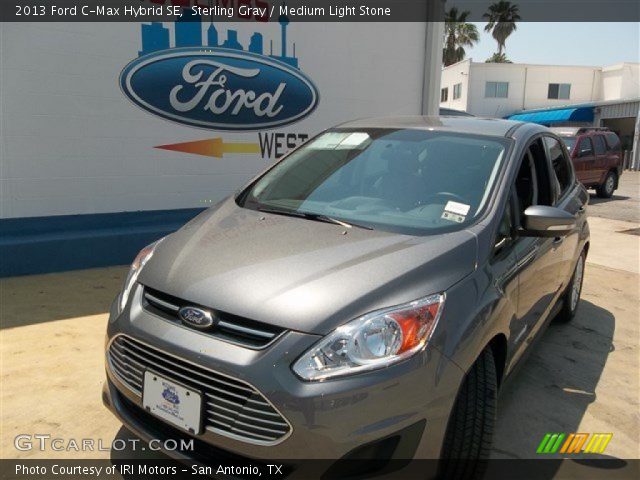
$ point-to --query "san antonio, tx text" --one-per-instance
(142, 469)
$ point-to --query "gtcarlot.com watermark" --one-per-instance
(46, 442)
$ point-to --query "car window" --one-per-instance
(569, 142)
(402, 180)
(612, 141)
(585, 147)
(562, 170)
(599, 145)
(533, 185)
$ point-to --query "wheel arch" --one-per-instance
(498, 346)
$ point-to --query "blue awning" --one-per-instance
(549, 117)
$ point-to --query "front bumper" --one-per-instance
(329, 419)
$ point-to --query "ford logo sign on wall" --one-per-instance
(196, 317)
(219, 89)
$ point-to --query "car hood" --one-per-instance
(300, 274)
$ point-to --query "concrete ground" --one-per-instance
(581, 377)
(624, 204)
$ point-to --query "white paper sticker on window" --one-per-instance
(455, 207)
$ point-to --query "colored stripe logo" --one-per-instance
(574, 443)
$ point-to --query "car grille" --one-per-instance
(230, 328)
(231, 407)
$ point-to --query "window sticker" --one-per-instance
(458, 208)
(453, 217)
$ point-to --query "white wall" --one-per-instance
(529, 85)
(452, 75)
(72, 143)
(584, 85)
(481, 73)
(621, 81)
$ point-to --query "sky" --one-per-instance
(577, 43)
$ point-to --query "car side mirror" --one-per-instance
(543, 221)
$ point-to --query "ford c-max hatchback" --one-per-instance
(352, 299)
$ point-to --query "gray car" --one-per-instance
(367, 295)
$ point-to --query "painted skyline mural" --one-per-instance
(189, 33)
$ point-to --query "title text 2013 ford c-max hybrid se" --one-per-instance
(379, 282)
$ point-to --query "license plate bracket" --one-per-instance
(174, 402)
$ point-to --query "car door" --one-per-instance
(568, 196)
(601, 160)
(537, 259)
(585, 161)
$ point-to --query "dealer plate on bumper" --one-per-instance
(172, 402)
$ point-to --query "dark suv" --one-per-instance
(596, 157)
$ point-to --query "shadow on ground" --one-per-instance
(34, 299)
(595, 200)
(554, 386)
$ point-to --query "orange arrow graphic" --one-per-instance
(212, 147)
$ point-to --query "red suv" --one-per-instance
(596, 157)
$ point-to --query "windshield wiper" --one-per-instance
(281, 211)
(318, 217)
(327, 219)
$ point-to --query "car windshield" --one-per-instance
(570, 142)
(401, 180)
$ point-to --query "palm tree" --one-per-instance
(498, 58)
(458, 34)
(501, 17)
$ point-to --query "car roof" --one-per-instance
(575, 131)
(458, 124)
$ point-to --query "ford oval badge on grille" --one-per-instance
(196, 317)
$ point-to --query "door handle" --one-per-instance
(558, 240)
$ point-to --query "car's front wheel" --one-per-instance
(608, 186)
(571, 297)
(467, 443)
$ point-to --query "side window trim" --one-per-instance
(511, 207)
(558, 195)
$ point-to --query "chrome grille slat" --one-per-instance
(250, 400)
(233, 424)
(259, 427)
(242, 415)
(159, 301)
(134, 383)
(236, 412)
(164, 370)
(251, 331)
(240, 431)
(121, 363)
(230, 328)
(208, 377)
(232, 407)
(225, 400)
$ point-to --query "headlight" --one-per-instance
(141, 259)
(375, 340)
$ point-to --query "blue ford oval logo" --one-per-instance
(218, 88)
(196, 317)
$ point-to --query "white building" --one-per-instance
(548, 94)
(502, 89)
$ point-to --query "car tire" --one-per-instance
(571, 297)
(608, 186)
(467, 443)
